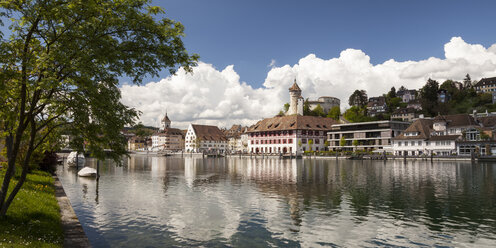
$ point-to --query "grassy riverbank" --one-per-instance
(33, 219)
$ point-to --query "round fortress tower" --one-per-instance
(296, 100)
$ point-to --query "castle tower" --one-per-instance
(165, 122)
(296, 100)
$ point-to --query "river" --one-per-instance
(255, 202)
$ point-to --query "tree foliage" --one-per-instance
(428, 95)
(60, 69)
(467, 82)
(357, 114)
(286, 107)
(334, 113)
(358, 98)
(318, 111)
(306, 108)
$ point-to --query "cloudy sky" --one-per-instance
(251, 52)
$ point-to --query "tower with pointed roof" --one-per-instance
(296, 102)
(165, 122)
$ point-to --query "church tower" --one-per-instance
(296, 103)
(165, 122)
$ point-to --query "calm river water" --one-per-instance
(160, 201)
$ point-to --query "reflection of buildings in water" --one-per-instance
(190, 171)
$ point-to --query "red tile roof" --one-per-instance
(293, 122)
(210, 133)
(295, 87)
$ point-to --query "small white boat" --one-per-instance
(71, 159)
(87, 172)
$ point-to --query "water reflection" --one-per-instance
(246, 202)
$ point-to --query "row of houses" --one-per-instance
(295, 133)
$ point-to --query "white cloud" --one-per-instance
(219, 97)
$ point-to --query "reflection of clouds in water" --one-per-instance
(309, 201)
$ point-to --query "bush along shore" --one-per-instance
(34, 217)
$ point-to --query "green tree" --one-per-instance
(428, 95)
(342, 142)
(60, 69)
(392, 93)
(355, 144)
(286, 107)
(358, 98)
(334, 113)
(318, 111)
(310, 143)
(306, 108)
(141, 131)
(467, 82)
(326, 144)
(197, 143)
(357, 114)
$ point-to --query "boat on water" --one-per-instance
(71, 159)
(87, 172)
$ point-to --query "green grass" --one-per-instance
(33, 218)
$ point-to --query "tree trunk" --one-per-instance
(4, 204)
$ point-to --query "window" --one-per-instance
(406, 143)
(399, 143)
(419, 143)
(412, 143)
(290, 141)
(303, 141)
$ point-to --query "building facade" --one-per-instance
(289, 134)
(373, 135)
(376, 106)
(438, 136)
(407, 95)
(204, 138)
(486, 85)
(167, 138)
(404, 114)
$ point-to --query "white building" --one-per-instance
(436, 136)
(296, 102)
(167, 138)
(200, 138)
(289, 134)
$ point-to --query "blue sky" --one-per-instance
(330, 47)
(249, 34)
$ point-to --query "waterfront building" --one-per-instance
(436, 136)
(486, 85)
(326, 102)
(481, 140)
(293, 133)
(167, 138)
(237, 139)
(136, 144)
(204, 138)
(372, 135)
(289, 134)
(376, 106)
